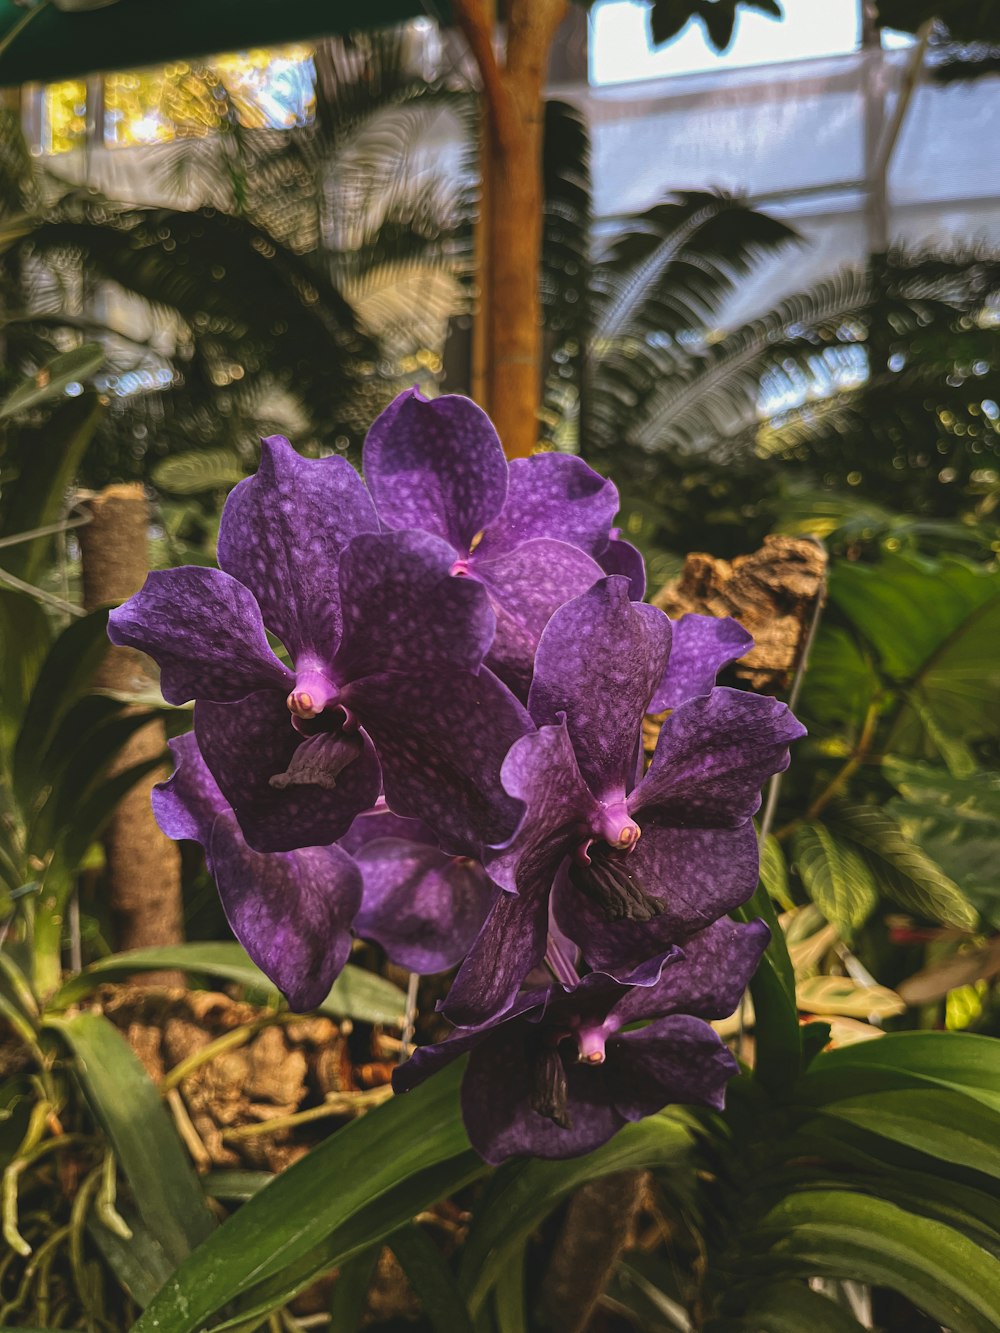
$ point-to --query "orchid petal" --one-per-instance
(701, 647)
(556, 496)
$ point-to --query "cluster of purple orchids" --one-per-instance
(418, 711)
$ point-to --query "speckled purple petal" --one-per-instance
(404, 611)
(598, 661)
(511, 943)
(247, 743)
(203, 629)
(621, 557)
(186, 805)
(525, 587)
(496, 1103)
(701, 647)
(712, 758)
(677, 1060)
(553, 495)
(695, 875)
(282, 532)
(436, 465)
(707, 981)
(427, 1060)
(441, 737)
(291, 911)
(380, 822)
(424, 908)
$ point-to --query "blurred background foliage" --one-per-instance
(289, 271)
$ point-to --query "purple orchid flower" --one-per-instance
(291, 911)
(627, 867)
(558, 1074)
(621, 557)
(531, 533)
(386, 651)
(421, 905)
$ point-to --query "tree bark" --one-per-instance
(143, 864)
(512, 209)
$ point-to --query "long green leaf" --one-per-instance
(304, 1206)
(791, 1307)
(65, 674)
(125, 1103)
(836, 1233)
(52, 379)
(432, 1280)
(962, 1061)
(350, 1291)
(357, 993)
(777, 1034)
(942, 1124)
(522, 1194)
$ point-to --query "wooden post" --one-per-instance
(143, 864)
(512, 214)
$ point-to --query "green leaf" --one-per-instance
(777, 1034)
(904, 871)
(350, 1290)
(837, 878)
(198, 470)
(138, 1263)
(25, 634)
(125, 1103)
(841, 682)
(522, 1194)
(46, 462)
(840, 1234)
(431, 1279)
(962, 1061)
(66, 672)
(52, 380)
(774, 872)
(510, 1297)
(791, 1307)
(357, 993)
(941, 1124)
(235, 1186)
(306, 1206)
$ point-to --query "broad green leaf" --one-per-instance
(46, 462)
(777, 1036)
(430, 1277)
(774, 872)
(840, 1234)
(354, 1170)
(962, 1061)
(840, 683)
(907, 607)
(837, 878)
(357, 993)
(941, 1124)
(791, 1307)
(65, 674)
(52, 380)
(126, 1104)
(235, 1185)
(522, 1194)
(956, 695)
(848, 998)
(198, 470)
(138, 1263)
(904, 871)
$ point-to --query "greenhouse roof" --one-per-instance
(48, 42)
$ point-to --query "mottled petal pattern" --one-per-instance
(511, 943)
(282, 533)
(525, 587)
(553, 495)
(292, 912)
(436, 465)
(701, 647)
(441, 738)
(621, 557)
(676, 1059)
(713, 756)
(186, 805)
(598, 661)
(424, 908)
(204, 631)
(247, 743)
(403, 610)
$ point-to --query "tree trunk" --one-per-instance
(512, 209)
(143, 865)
